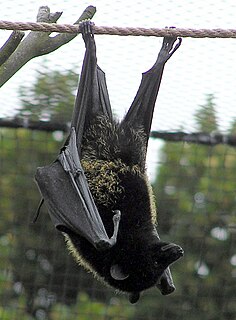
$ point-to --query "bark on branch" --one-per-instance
(37, 43)
(10, 45)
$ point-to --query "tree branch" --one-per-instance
(39, 43)
(10, 45)
(63, 38)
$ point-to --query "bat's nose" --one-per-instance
(171, 246)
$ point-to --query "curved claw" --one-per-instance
(176, 47)
(167, 49)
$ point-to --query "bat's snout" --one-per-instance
(173, 247)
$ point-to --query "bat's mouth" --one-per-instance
(167, 247)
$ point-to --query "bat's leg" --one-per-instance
(142, 108)
(92, 96)
(97, 90)
(88, 89)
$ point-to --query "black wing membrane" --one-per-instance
(63, 184)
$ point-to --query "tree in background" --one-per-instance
(51, 98)
(195, 192)
(205, 117)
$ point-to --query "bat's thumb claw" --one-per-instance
(116, 222)
(117, 215)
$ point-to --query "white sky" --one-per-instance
(199, 67)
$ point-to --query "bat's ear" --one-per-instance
(134, 297)
(117, 273)
(165, 284)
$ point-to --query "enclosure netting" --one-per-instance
(194, 184)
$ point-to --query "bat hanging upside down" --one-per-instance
(97, 191)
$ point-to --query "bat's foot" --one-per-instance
(168, 48)
(165, 283)
(86, 28)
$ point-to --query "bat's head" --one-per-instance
(145, 267)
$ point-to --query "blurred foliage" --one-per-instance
(88, 310)
(51, 97)
(195, 192)
(116, 309)
(205, 117)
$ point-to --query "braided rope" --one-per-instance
(67, 28)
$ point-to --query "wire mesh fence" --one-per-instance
(194, 184)
(195, 192)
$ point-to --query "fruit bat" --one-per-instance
(97, 191)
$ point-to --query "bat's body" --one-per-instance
(116, 185)
(125, 250)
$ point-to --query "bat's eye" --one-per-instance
(156, 264)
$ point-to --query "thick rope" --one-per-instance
(156, 32)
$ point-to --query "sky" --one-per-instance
(198, 68)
